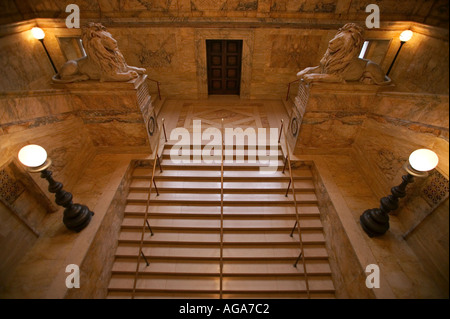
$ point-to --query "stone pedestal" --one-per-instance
(328, 115)
(117, 115)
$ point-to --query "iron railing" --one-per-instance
(297, 217)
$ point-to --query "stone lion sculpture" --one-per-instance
(103, 60)
(341, 62)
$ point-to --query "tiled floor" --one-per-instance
(234, 111)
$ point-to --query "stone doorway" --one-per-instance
(224, 66)
(247, 38)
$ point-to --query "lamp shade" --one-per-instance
(406, 35)
(423, 160)
(38, 33)
(32, 155)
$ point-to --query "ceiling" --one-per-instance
(429, 12)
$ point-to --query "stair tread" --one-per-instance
(147, 172)
(212, 223)
(213, 239)
(143, 184)
(227, 210)
(184, 252)
(228, 164)
(154, 197)
(212, 252)
(196, 283)
(229, 268)
(229, 285)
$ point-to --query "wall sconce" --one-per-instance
(375, 222)
(405, 36)
(39, 34)
(76, 216)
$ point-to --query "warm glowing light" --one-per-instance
(38, 33)
(32, 155)
(423, 160)
(406, 35)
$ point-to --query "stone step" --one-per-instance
(192, 234)
(174, 238)
(229, 187)
(232, 175)
(245, 154)
(228, 225)
(210, 284)
(313, 267)
(140, 197)
(312, 252)
(229, 212)
(237, 145)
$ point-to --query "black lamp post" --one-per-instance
(375, 222)
(39, 34)
(76, 216)
(405, 36)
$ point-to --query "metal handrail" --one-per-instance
(221, 215)
(140, 253)
(302, 255)
(157, 84)
(289, 88)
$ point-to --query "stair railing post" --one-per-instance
(156, 188)
(281, 130)
(164, 130)
(159, 163)
(149, 228)
(287, 190)
(285, 162)
(143, 256)
(298, 258)
(293, 228)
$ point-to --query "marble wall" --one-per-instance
(23, 63)
(98, 262)
(111, 112)
(348, 274)
(47, 119)
(422, 65)
(379, 130)
(173, 51)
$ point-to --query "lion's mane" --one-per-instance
(108, 61)
(336, 62)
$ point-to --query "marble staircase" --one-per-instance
(184, 252)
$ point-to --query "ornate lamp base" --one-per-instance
(375, 222)
(76, 216)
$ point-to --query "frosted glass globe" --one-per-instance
(32, 155)
(406, 35)
(38, 33)
(423, 160)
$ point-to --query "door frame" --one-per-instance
(224, 54)
(247, 37)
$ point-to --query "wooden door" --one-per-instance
(224, 66)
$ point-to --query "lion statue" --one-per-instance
(103, 60)
(341, 61)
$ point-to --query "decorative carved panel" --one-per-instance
(436, 189)
(10, 188)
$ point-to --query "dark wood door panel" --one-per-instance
(224, 66)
